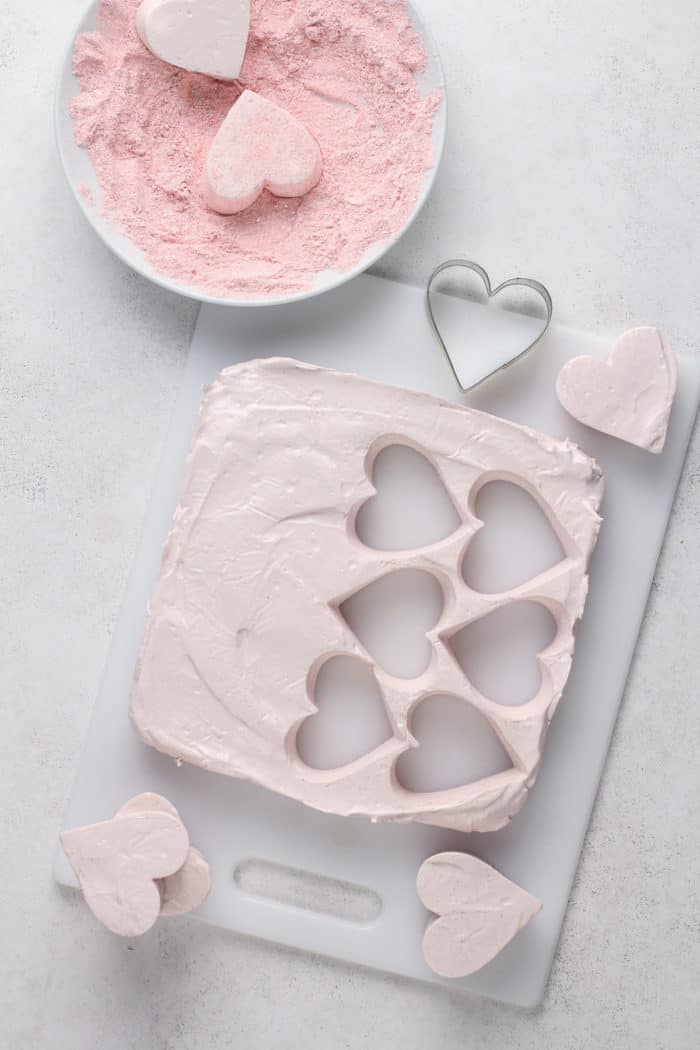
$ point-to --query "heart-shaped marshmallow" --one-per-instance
(118, 862)
(478, 911)
(202, 36)
(189, 886)
(148, 802)
(259, 147)
(630, 395)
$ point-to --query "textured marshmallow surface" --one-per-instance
(118, 862)
(259, 146)
(630, 395)
(263, 550)
(148, 802)
(189, 886)
(201, 36)
(478, 912)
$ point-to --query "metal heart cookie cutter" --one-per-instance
(491, 293)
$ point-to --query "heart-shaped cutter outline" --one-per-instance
(491, 293)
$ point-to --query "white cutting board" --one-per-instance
(378, 329)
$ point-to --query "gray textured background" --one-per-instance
(573, 156)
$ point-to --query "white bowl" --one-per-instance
(79, 170)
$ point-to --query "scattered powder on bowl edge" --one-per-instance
(346, 68)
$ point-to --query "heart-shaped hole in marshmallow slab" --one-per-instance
(482, 329)
(515, 544)
(498, 653)
(456, 746)
(412, 507)
(391, 617)
(351, 721)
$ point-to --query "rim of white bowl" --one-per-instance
(111, 235)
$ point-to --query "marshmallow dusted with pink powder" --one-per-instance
(259, 147)
(203, 36)
(138, 866)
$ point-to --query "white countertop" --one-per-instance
(573, 157)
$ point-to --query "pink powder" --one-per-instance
(345, 68)
(86, 193)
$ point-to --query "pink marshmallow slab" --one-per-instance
(263, 551)
(259, 147)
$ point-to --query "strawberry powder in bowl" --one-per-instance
(362, 75)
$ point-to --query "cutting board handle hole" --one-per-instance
(307, 891)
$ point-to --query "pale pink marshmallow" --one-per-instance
(189, 886)
(119, 861)
(630, 395)
(259, 146)
(202, 36)
(478, 910)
